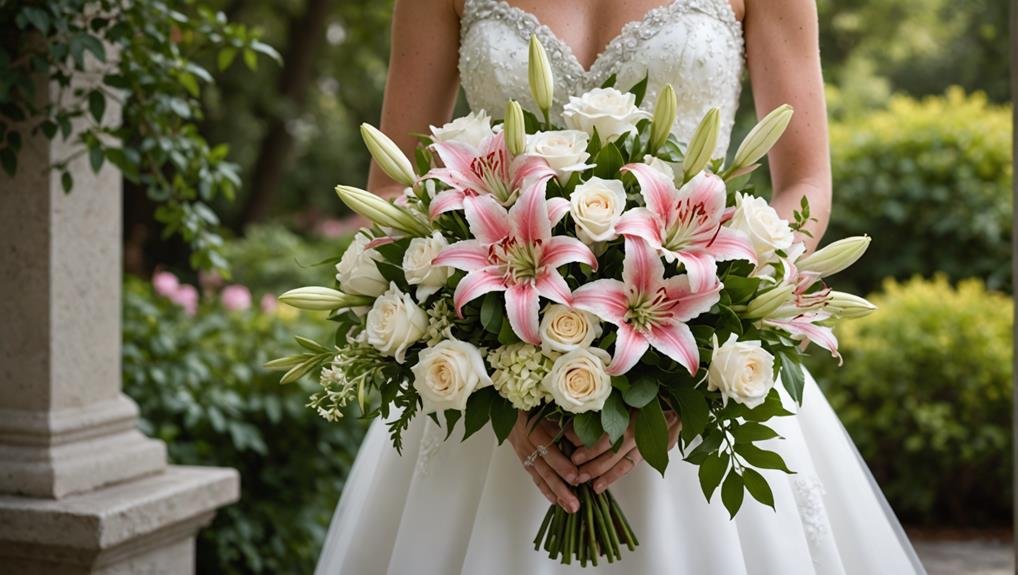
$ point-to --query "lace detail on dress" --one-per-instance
(431, 441)
(695, 45)
(809, 496)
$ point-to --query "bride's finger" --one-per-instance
(602, 463)
(584, 453)
(563, 494)
(622, 467)
(552, 455)
(541, 485)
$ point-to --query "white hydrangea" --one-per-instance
(440, 317)
(519, 369)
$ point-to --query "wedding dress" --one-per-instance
(446, 507)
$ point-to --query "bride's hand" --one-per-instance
(550, 470)
(603, 466)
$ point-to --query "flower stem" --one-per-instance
(631, 540)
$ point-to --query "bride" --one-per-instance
(472, 507)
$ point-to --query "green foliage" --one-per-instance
(147, 57)
(273, 259)
(925, 392)
(200, 388)
(931, 181)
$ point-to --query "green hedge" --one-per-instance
(930, 180)
(925, 392)
(200, 387)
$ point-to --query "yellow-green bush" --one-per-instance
(930, 180)
(925, 392)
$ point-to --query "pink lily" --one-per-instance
(472, 173)
(800, 316)
(649, 310)
(514, 252)
(685, 224)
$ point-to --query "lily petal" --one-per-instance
(689, 304)
(560, 250)
(467, 255)
(553, 286)
(445, 201)
(642, 268)
(488, 220)
(521, 307)
(732, 244)
(803, 327)
(707, 190)
(557, 209)
(474, 285)
(529, 216)
(701, 269)
(630, 346)
(677, 342)
(526, 169)
(455, 156)
(604, 298)
(640, 223)
(658, 191)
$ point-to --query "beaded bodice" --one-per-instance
(695, 45)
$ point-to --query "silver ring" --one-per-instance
(629, 456)
(541, 451)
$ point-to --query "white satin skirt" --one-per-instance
(449, 507)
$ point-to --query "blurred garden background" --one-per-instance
(256, 122)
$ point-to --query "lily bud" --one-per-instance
(315, 298)
(664, 117)
(515, 132)
(765, 304)
(835, 257)
(848, 306)
(381, 211)
(701, 146)
(762, 137)
(390, 158)
(542, 83)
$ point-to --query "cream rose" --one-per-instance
(395, 323)
(608, 110)
(356, 271)
(596, 206)
(564, 329)
(742, 370)
(564, 150)
(578, 381)
(765, 228)
(447, 373)
(418, 268)
(472, 130)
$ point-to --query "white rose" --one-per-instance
(395, 323)
(611, 112)
(356, 270)
(565, 329)
(417, 265)
(742, 370)
(596, 206)
(661, 166)
(765, 228)
(472, 130)
(564, 150)
(446, 375)
(578, 381)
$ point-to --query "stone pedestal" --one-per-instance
(82, 489)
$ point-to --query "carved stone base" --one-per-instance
(142, 526)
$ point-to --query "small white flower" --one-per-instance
(356, 271)
(565, 329)
(578, 380)
(742, 371)
(767, 231)
(472, 130)
(418, 268)
(564, 150)
(395, 323)
(611, 112)
(520, 369)
(447, 373)
(596, 206)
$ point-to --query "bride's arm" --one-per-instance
(420, 89)
(783, 55)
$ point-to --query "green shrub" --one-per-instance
(930, 180)
(273, 259)
(200, 387)
(925, 392)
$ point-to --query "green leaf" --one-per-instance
(310, 344)
(95, 157)
(641, 392)
(610, 82)
(506, 335)
(251, 59)
(587, 426)
(711, 471)
(708, 445)
(478, 410)
(761, 457)
(608, 161)
(758, 487)
(771, 407)
(792, 377)
(651, 431)
(393, 273)
(225, 57)
(614, 416)
(492, 312)
(97, 104)
(9, 161)
(732, 493)
(693, 409)
(503, 418)
(38, 18)
(741, 289)
(451, 417)
(66, 181)
(751, 431)
(640, 89)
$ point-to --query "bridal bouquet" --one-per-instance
(590, 275)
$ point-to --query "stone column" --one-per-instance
(81, 489)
